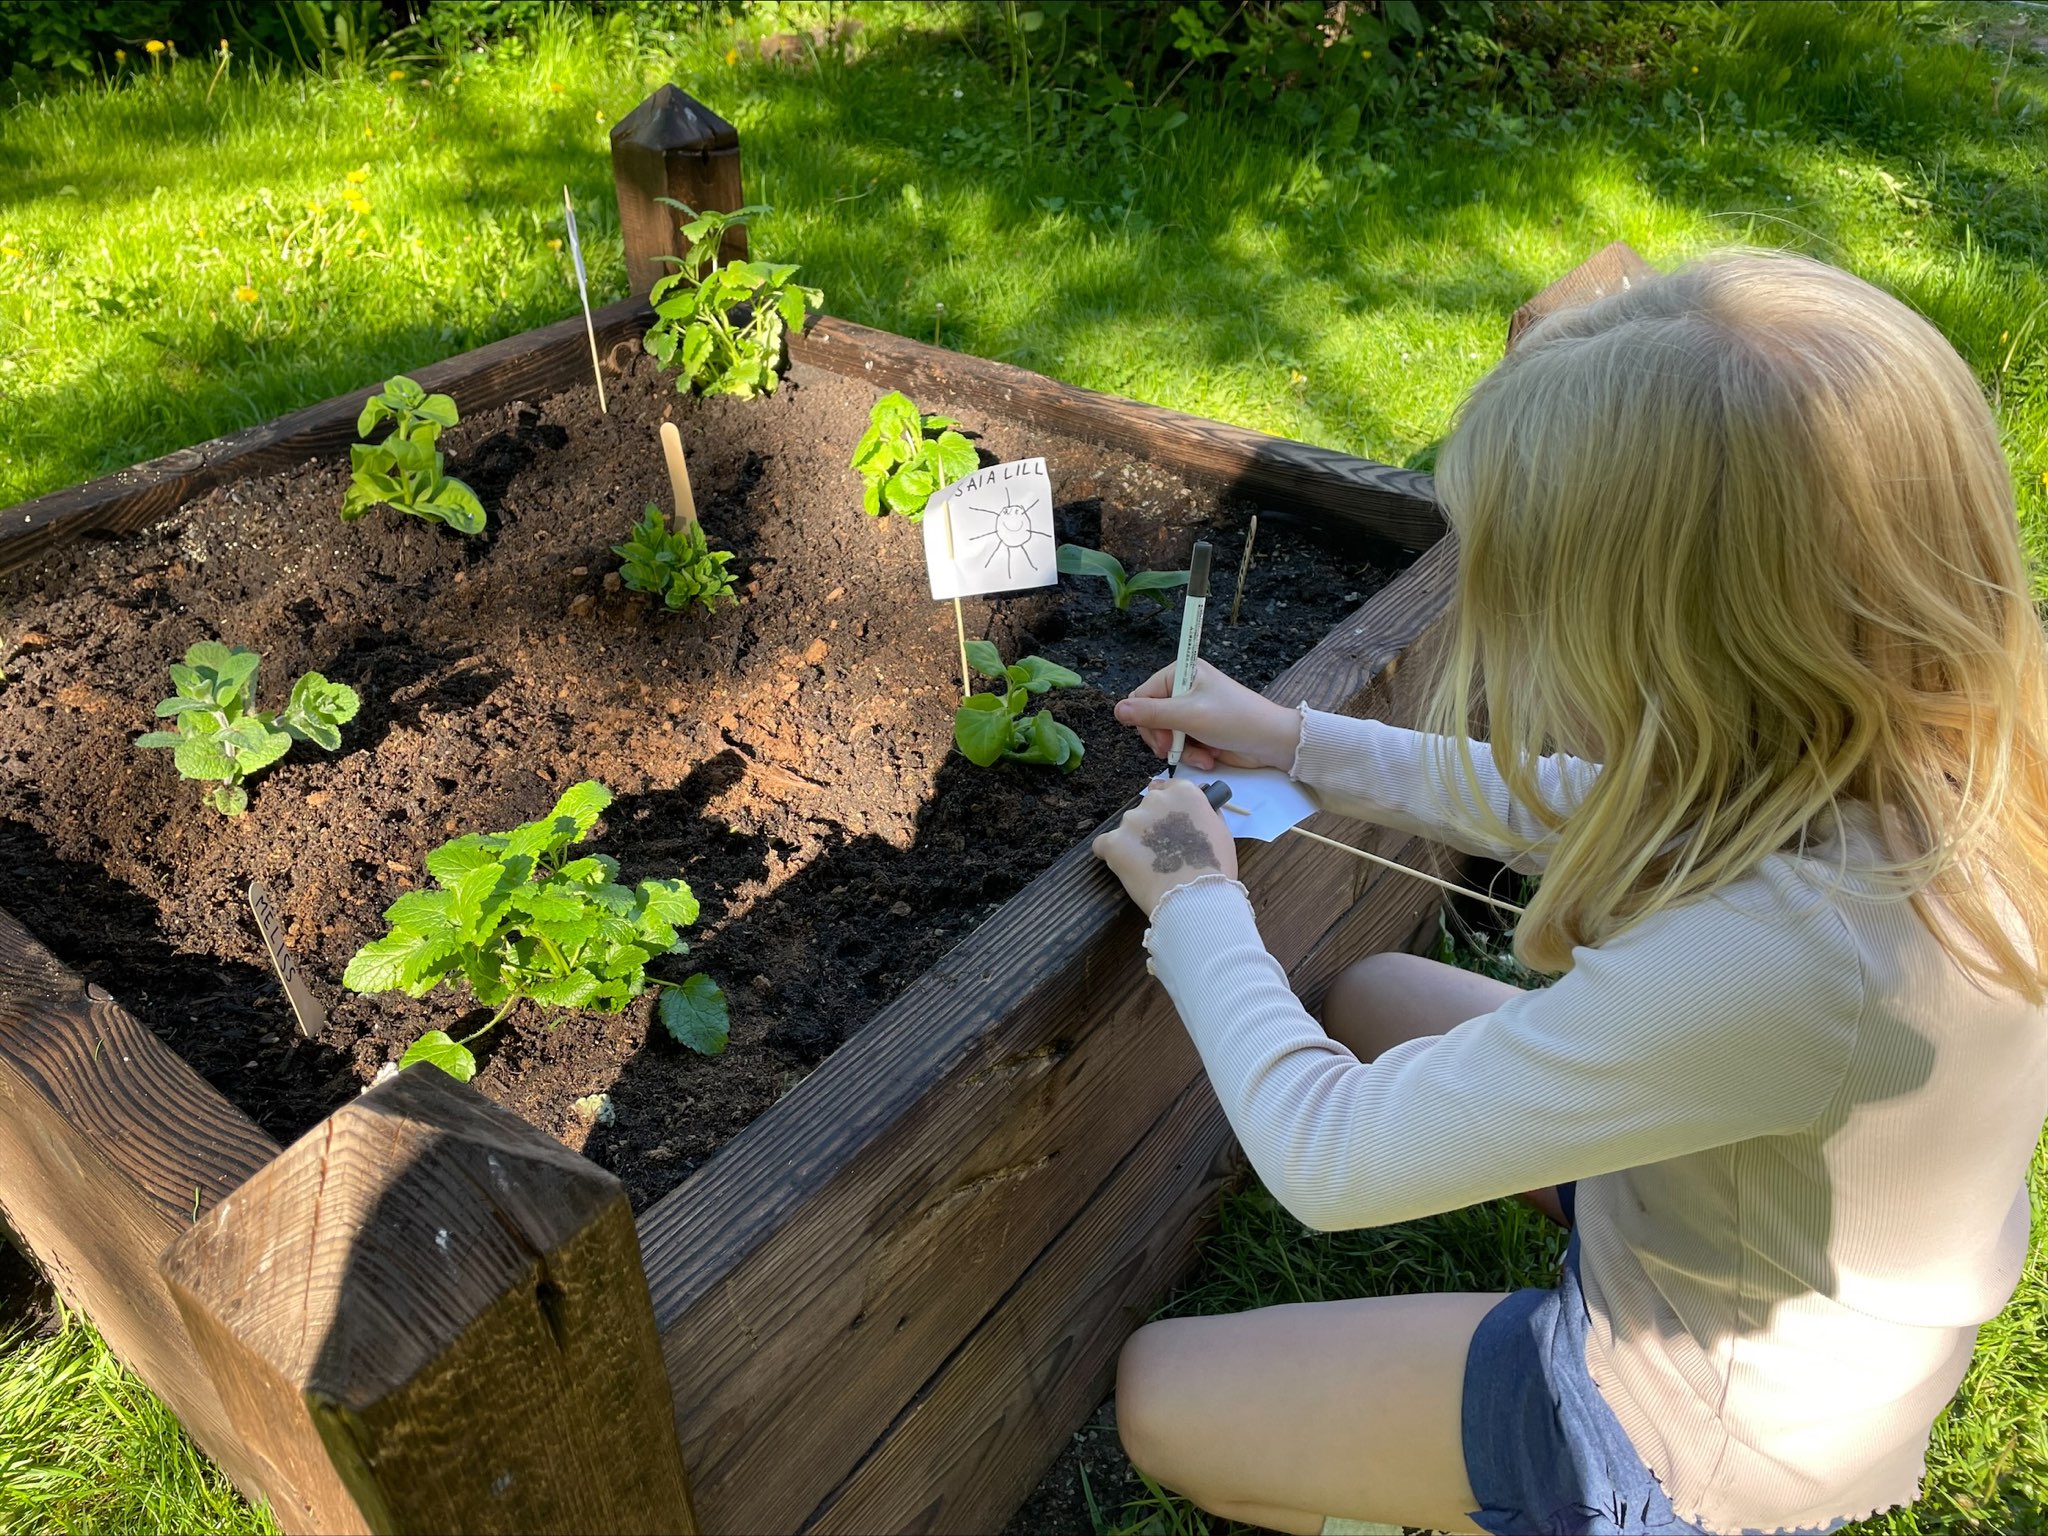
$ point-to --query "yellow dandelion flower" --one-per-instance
(357, 203)
(396, 74)
(1365, 53)
(13, 252)
(554, 245)
(2044, 479)
(316, 209)
(246, 294)
(732, 56)
(1695, 69)
(154, 46)
(555, 86)
(600, 117)
(120, 55)
(358, 176)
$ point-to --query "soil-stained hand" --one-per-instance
(1225, 721)
(1167, 839)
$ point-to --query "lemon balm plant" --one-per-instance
(905, 457)
(721, 326)
(221, 738)
(404, 470)
(515, 917)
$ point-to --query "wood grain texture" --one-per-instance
(1301, 484)
(672, 145)
(109, 1147)
(972, 1442)
(426, 1315)
(855, 1234)
(533, 363)
(1608, 270)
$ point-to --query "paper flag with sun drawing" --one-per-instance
(992, 532)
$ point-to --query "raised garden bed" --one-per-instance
(888, 1300)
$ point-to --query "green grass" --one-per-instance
(165, 278)
(86, 1450)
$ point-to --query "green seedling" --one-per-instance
(404, 471)
(514, 917)
(697, 330)
(992, 727)
(221, 737)
(680, 568)
(1079, 560)
(905, 457)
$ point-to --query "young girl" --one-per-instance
(1742, 598)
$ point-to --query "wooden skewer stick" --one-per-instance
(1373, 858)
(959, 618)
(583, 292)
(678, 478)
(1244, 567)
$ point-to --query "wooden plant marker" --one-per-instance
(306, 1008)
(678, 478)
(1244, 566)
(583, 291)
(959, 618)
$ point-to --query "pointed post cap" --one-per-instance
(673, 119)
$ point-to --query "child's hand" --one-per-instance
(1167, 839)
(1225, 721)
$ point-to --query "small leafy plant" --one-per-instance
(990, 727)
(404, 471)
(1079, 560)
(221, 736)
(695, 330)
(515, 918)
(680, 568)
(905, 457)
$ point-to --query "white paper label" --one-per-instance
(992, 532)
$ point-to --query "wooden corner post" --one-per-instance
(672, 145)
(427, 1316)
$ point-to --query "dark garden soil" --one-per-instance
(790, 757)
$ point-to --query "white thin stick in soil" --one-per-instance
(583, 291)
(678, 478)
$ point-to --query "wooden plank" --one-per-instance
(1318, 487)
(970, 1444)
(532, 363)
(110, 1146)
(855, 1234)
(426, 1315)
(1608, 270)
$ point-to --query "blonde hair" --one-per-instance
(1745, 534)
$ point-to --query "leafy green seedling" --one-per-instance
(220, 736)
(515, 918)
(695, 329)
(1079, 560)
(680, 568)
(905, 457)
(404, 471)
(989, 727)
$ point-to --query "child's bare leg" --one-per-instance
(1385, 999)
(1289, 1414)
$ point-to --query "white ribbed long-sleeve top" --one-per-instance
(1800, 1131)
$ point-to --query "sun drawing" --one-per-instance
(1010, 535)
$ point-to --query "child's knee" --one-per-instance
(1145, 1397)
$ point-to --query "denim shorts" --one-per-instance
(1544, 1453)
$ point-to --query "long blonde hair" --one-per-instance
(1745, 534)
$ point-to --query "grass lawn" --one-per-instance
(186, 250)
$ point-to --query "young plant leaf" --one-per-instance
(695, 1014)
(987, 660)
(439, 1049)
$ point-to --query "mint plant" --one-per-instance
(515, 917)
(221, 737)
(404, 471)
(1079, 560)
(680, 568)
(992, 727)
(696, 330)
(905, 457)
